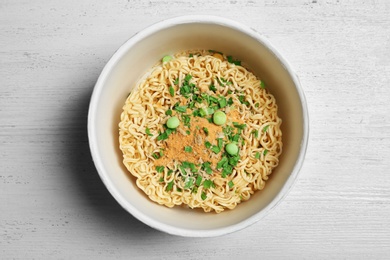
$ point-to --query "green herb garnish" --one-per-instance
(265, 152)
(181, 109)
(170, 186)
(231, 60)
(198, 180)
(168, 112)
(189, 182)
(172, 91)
(147, 131)
(206, 130)
(262, 84)
(257, 155)
(160, 169)
(208, 183)
(206, 167)
(215, 149)
(231, 184)
(212, 88)
(265, 128)
(188, 149)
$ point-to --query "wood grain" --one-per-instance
(52, 202)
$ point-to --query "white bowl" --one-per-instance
(138, 55)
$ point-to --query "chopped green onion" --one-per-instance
(206, 167)
(189, 182)
(166, 58)
(255, 133)
(227, 170)
(212, 88)
(265, 152)
(257, 155)
(160, 169)
(186, 120)
(262, 84)
(198, 180)
(230, 101)
(188, 149)
(223, 162)
(220, 143)
(206, 111)
(242, 100)
(169, 186)
(222, 102)
(162, 136)
(233, 161)
(176, 81)
(207, 184)
(203, 195)
(170, 172)
(265, 128)
(214, 51)
(239, 126)
(231, 184)
(231, 60)
(181, 109)
(147, 131)
(236, 137)
(168, 112)
(215, 149)
(187, 78)
(188, 132)
(206, 131)
(207, 144)
(172, 91)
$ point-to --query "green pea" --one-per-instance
(173, 122)
(166, 58)
(219, 118)
(231, 148)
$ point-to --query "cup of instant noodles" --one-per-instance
(198, 126)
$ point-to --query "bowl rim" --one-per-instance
(92, 135)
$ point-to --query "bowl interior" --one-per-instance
(128, 65)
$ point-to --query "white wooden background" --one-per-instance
(52, 202)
